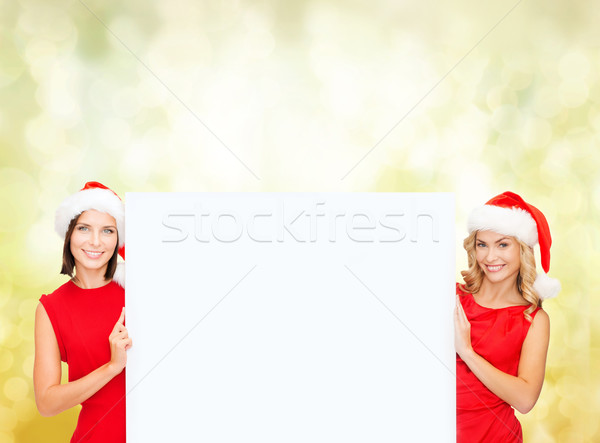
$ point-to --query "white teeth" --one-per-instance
(93, 254)
(495, 268)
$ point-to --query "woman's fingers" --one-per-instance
(460, 312)
(115, 336)
(462, 329)
(124, 343)
(120, 342)
(121, 335)
(119, 325)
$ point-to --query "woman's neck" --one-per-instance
(501, 292)
(89, 280)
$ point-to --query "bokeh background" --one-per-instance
(468, 97)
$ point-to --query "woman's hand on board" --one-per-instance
(120, 342)
(462, 330)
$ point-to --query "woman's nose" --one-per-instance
(95, 238)
(491, 254)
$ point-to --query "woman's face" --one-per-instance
(93, 240)
(498, 255)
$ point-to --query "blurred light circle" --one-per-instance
(567, 408)
(26, 307)
(568, 198)
(125, 103)
(570, 434)
(25, 409)
(136, 164)
(574, 66)
(595, 194)
(169, 54)
(6, 360)
(60, 102)
(547, 205)
(115, 133)
(45, 136)
(100, 93)
(41, 56)
(9, 336)
(541, 409)
(572, 93)
(18, 200)
(66, 159)
(546, 102)
(16, 389)
(536, 133)
(5, 284)
(8, 419)
(554, 170)
(151, 94)
(28, 364)
(12, 65)
(506, 119)
(259, 44)
(517, 77)
(594, 118)
(44, 246)
(26, 325)
(501, 95)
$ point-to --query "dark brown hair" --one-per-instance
(68, 262)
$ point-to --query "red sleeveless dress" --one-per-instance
(497, 335)
(82, 320)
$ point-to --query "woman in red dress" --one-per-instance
(501, 331)
(82, 322)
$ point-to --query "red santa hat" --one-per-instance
(96, 196)
(509, 214)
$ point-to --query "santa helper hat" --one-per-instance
(96, 196)
(509, 214)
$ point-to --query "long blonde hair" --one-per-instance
(473, 276)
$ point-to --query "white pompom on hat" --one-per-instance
(94, 195)
(509, 214)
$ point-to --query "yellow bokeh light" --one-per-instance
(300, 92)
(16, 389)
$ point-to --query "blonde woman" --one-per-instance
(501, 330)
(82, 322)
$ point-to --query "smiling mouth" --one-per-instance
(494, 268)
(92, 254)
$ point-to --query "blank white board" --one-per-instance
(290, 317)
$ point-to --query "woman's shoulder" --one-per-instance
(59, 292)
(540, 317)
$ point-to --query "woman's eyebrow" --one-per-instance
(502, 239)
(103, 227)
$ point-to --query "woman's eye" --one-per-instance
(481, 245)
(503, 245)
(82, 228)
(109, 231)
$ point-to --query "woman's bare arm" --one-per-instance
(52, 397)
(521, 391)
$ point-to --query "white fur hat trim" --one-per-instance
(545, 286)
(102, 200)
(515, 222)
(119, 275)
